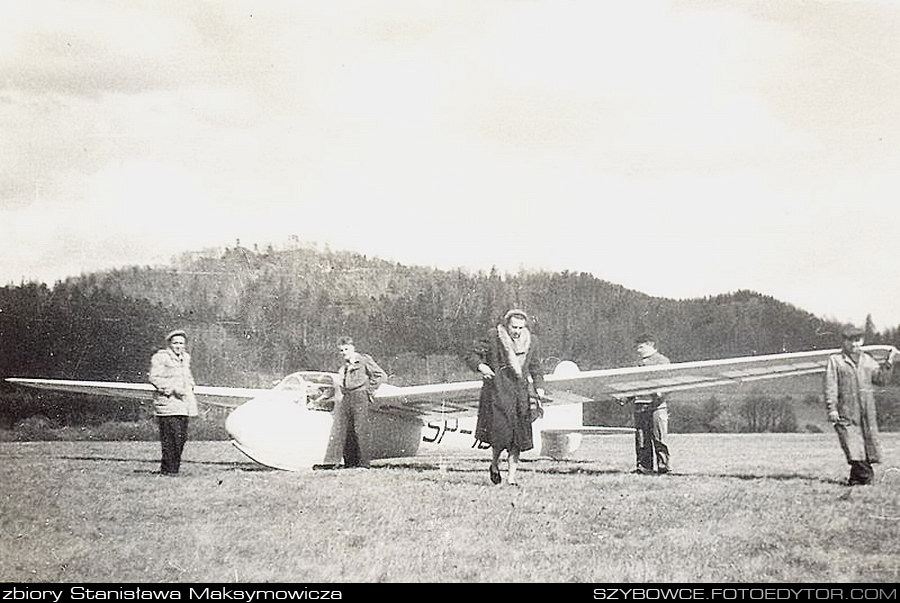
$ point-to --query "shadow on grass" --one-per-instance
(237, 466)
(477, 466)
(482, 465)
(577, 467)
(779, 477)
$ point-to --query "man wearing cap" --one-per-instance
(170, 374)
(509, 364)
(351, 429)
(850, 403)
(651, 415)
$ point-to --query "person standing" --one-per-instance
(651, 416)
(506, 359)
(174, 401)
(351, 429)
(850, 403)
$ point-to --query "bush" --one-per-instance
(887, 403)
(35, 428)
(38, 428)
(114, 431)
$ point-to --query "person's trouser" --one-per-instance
(651, 430)
(860, 451)
(350, 431)
(172, 436)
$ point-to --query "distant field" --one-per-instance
(741, 508)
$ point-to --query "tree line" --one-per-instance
(254, 316)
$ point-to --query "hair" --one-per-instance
(644, 338)
(345, 340)
(852, 332)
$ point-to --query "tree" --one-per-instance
(869, 328)
(762, 413)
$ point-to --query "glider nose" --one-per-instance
(279, 433)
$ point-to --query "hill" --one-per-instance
(255, 315)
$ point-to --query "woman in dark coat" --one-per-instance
(506, 358)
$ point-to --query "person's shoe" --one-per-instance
(495, 475)
(663, 470)
(643, 471)
(325, 467)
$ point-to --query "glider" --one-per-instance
(287, 427)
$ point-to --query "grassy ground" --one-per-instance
(740, 508)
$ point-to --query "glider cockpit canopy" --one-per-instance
(317, 390)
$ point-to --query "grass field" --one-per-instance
(740, 508)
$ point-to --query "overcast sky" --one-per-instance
(677, 148)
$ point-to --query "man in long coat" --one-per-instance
(506, 359)
(850, 402)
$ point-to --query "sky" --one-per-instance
(681, 149)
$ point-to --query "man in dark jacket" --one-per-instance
(651, 416)
(351, 430)
(170, 374)
(506, 358)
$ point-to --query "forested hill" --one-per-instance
(254, 316)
